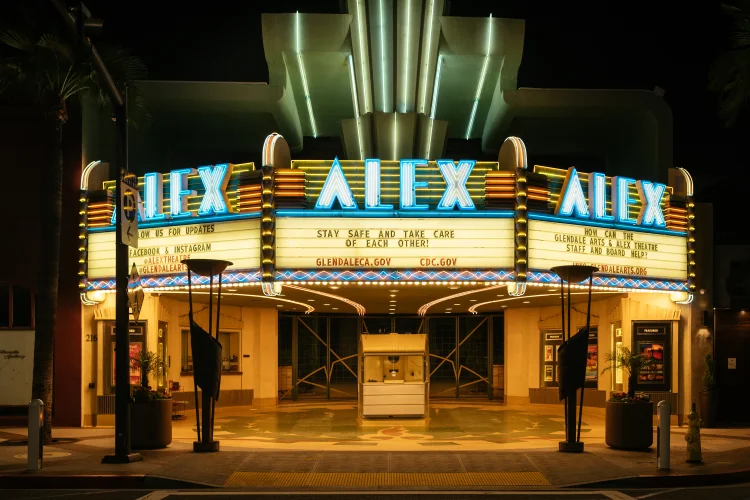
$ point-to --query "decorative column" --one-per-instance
(572, 355)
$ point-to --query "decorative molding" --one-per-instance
(640, 311)
(615, 315)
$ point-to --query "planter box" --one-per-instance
(629, 425)
(151, 424)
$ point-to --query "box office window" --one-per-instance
(230, 352)
(551, 341)
(654, 340)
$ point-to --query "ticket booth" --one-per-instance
(393, 378)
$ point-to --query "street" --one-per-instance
(734, 492)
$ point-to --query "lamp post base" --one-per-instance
(205, 447)
(574, 447)
(122, 459)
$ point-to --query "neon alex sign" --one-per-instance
(214, 178)
(572, 201)
(336, 186)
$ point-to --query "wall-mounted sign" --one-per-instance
(454, 174)
(573, 202)
(363, 242)
(161, 250)
(613, 251)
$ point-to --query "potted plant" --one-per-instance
(150, 411)
(708, 397)
(629, 422)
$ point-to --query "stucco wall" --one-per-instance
(16, 367)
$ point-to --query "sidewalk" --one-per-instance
(309, 446)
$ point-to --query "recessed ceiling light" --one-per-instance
(393, 291)
(448, 308)
(393, 295)
(500, 295)
(392, 301)
(335, 308)
(453, 288)
(279, 305)
(456, 304)
(527, 302)
(326, 304)
(503, 305)
(231, 290)
(391, 313)
(333, 287)
(311, 300)
(472, 300)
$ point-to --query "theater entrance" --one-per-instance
(318, 354)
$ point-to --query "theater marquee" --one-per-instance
(404, 220)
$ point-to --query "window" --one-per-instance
(230, 352)
(16, 307)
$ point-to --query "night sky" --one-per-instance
(579, 45)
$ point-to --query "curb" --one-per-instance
(669, 481)
(93, 481)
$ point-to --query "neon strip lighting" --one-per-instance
(395, 136)
(356, 305)
(423, 309)
(433, 108)
(394, 276)
(304, 81)
(382, 58)
(473, 309)
(353, 81)
(405, 79)
(180, 222)
(586, 222)
(688, 181)
(355, 103)
(236, 294)
(423, 93)
(604, 282)
(179, 192)
(497, 214)
(435, 90)
(362, 58)
(86, 172)
(480, 85)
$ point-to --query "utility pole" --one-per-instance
(81, 26)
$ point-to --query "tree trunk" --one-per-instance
(50, 202)
(631, 385)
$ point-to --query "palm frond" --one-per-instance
(56, 46)
(16, 40)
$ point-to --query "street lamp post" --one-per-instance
(81, 25)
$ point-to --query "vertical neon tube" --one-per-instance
(372, 186)
(409, 185)
(179, 192)
(621, 199)
(598, 197)
(153, 191)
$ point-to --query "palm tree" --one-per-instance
(729, 76)
(50, 73)
(630, 362)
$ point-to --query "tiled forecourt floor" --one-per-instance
(384, 469)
